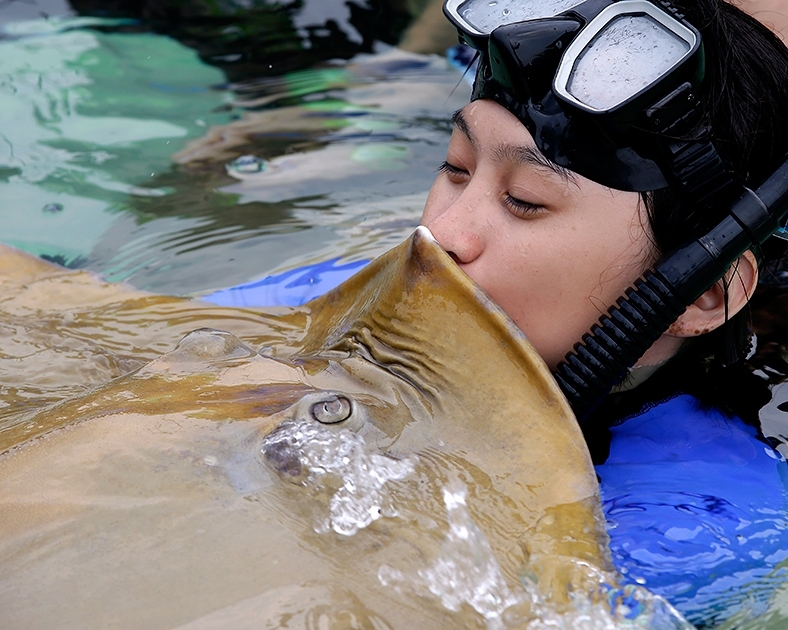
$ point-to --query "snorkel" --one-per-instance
(609, 90)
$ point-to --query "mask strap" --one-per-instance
(690, 159)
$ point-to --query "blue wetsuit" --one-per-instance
(696, 508)
(695, 501)
(290, 288)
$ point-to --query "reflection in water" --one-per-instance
(267, 37)
(90, 118)
(95, 118)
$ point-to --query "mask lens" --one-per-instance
(487, 15)
(627, 55)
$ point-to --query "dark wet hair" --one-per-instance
(745, 98)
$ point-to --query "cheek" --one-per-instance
(625, 263)
(556, 293)
(611, 248)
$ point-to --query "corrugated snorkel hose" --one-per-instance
(602, 358)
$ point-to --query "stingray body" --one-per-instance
(396, 456)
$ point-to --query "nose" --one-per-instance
(458, 227)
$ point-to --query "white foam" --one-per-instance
(466, 571)
(332, 457)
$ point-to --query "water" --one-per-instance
(124, 153)
(350, 487)
(325, 458)
(316, 164)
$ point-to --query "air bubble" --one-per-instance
(246, 164)
(325, 457)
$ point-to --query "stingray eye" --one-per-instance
(331, 410)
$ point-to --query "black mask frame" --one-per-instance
(618, 147)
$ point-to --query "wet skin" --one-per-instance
(554, 249)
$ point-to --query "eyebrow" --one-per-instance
(527, 154)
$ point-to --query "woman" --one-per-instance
(695, 501)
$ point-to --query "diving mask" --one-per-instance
(589, 79)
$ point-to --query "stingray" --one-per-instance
(393, 454)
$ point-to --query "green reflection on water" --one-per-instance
(88, 119)
(95, 121)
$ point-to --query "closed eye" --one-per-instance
(520, 208)
(451, 170)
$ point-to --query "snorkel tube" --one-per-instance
(601, 359)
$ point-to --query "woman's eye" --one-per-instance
(520, 208)
(454, 172)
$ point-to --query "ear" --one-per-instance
(708, 311)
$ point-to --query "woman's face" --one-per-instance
(553, 249)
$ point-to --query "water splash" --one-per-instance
(350, 483)
(338, 462)
(466, 571)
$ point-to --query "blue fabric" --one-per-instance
(465, 59)
(696, 509)
(291, 288)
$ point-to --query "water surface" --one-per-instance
(93, 119)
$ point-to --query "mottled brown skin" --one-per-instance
(147, 499)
